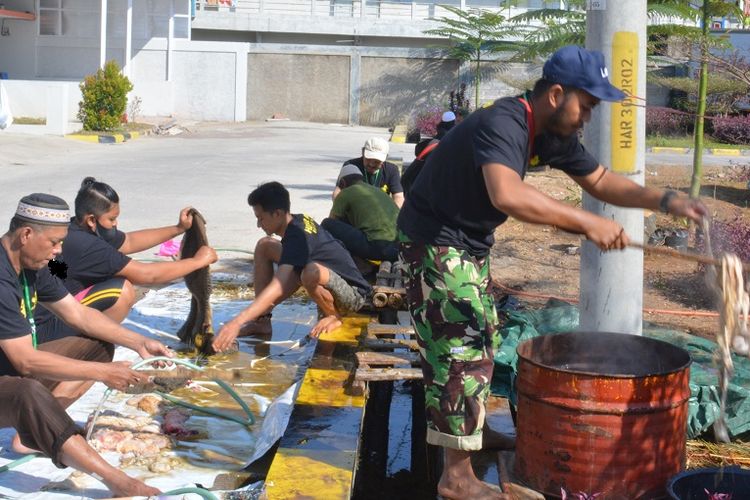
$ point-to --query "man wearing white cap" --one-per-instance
(448, 120)
(376, 171)
(363, 218)
(37, 383)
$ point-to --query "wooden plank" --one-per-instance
(380, 374)
(386, 358)
(387, 276)
(16, 14)
(385, 268)
(388, 290)
(390, 344)
(375, 329)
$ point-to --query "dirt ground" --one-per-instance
(535, 259)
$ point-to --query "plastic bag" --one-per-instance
(6, 118)
(169, 248)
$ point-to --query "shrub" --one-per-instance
(458, 102)
(667, 122)
(425, 120)
(732, 129)
(105, 97)
(732, 236)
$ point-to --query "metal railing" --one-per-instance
(371, 9)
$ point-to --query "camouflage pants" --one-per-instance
(456, 324)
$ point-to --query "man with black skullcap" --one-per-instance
(470, 184)
(38, 382)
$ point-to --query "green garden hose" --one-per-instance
(250, 417)
(207, 495)
(17, 462)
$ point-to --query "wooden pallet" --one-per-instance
(375, 365)
(381, 337)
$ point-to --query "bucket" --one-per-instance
(693, 484)
(601, 413)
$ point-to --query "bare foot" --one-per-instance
(130, 487)
(260, 326)
(326, 324)
(19, 447)
(493, 440)
(461, 489)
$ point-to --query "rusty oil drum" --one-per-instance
(601, 413)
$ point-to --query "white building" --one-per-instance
(346, 61)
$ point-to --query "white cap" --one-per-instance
(449, 116)
(376, 148)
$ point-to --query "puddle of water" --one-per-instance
(224, 444)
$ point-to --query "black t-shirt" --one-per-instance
(305, 241)
(43, 287)
(90, 260)
(386, 178)
(448, 203)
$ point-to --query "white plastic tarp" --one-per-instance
(158, 315)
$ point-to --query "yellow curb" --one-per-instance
(84, 138)
(105, 139)
(725, 152)
(399, 134)
(669, 150)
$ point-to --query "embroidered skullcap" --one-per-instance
(44, 209)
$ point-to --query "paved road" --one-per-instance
(212, 167)
(655, 159)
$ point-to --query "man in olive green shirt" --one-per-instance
(363, 218)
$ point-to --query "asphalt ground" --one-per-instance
(211, 166)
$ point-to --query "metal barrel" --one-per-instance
(601, 413)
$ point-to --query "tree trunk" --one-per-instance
(695, 183)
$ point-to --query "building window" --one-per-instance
(81, 18)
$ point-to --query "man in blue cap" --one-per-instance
(469, 186)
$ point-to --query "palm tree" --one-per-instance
(546, 30)
(473, 36)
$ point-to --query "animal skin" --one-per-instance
(198, 327)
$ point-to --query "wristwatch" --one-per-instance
(665, 199)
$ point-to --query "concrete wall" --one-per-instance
(392, 87)
(207, 81)
(307, 87)
(16, 53)
(29, 97)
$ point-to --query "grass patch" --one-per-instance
(687, 142)
(28, 120)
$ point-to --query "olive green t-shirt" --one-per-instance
(368, 209)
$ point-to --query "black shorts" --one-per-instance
(101, 297)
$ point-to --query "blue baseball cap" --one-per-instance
(583, 69)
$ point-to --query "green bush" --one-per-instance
(105, 97)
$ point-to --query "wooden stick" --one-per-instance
(671, 252)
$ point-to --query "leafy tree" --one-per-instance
(474, 35)
(105, 97)
(546, 30)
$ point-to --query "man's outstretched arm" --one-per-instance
(283, 284)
